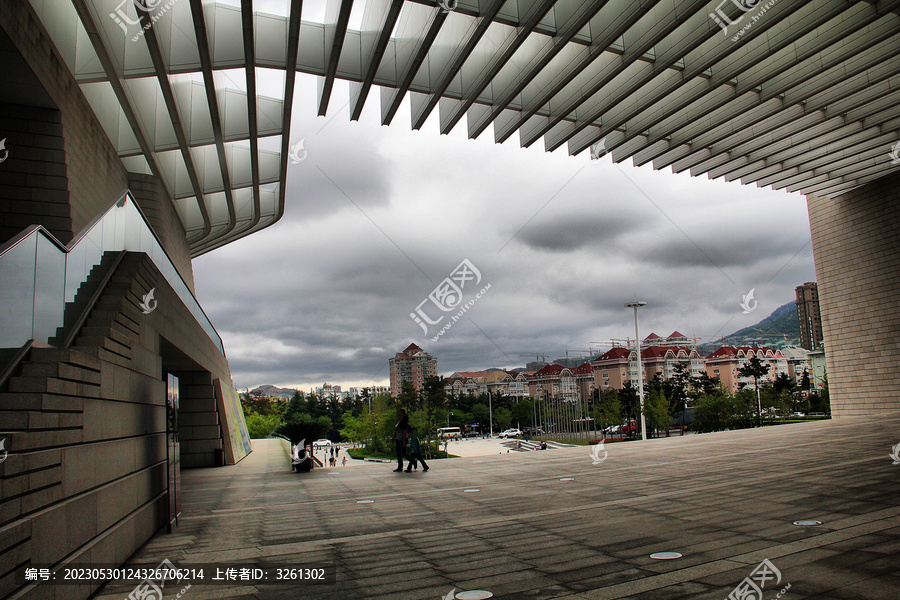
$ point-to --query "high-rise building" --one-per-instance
(413, 365)
(809, 316)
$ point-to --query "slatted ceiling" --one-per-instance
(806, 99)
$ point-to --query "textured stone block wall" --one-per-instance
(856, 244)
(154, 201)
(94, 176)
(33, 184)
(85, 480)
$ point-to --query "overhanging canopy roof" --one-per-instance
(802, 96)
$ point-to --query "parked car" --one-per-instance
(323, 443)
(510, 433)
(469, 434)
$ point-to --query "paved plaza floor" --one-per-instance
(559, 524)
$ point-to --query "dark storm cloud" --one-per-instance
(326, 293)
(574, 232)
(322, 184)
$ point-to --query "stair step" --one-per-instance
(60, 370)
(103, 316)
(38, 401)
(64, 355)
(111, 332)
(32, 419)
(105, 354)
(102, 341)
(51, 385)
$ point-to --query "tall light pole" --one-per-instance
(490, 414)
(640, 369)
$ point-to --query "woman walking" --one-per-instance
(400, 431)
(415, 452)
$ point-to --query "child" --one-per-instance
(415, 451)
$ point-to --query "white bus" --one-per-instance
(449, 433)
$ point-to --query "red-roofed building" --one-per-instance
(662, 360)
(618, 365)
(725, 362)
(562, 383)
(413, 365)
(612, 368)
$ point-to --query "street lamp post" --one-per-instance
(490, 414)
(637, 346)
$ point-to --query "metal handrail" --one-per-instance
(95, 297)
(186, 294)
(14, 362)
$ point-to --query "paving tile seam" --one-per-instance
(817, 541)
(657, 581)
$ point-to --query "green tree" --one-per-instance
(819, 401)
(745, 409)
(354, 428)
(435, 405)
(704, 385)
(608, 410)
(713, 412)
(755, 368)
(261, 405)
(804, 381)
(523, 412)
(783, 382)
(304, 427)
(480, 415)
(656, 411)
(631, 404)
(261, 426)
(502, 417)
(408, 398)
(679, 386)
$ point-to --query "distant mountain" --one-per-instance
(274, 392)
(779, 329)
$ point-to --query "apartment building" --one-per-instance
(412, 364)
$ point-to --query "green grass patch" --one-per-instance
(362, 453)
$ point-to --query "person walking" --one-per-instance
(400, 433)
(415, 452)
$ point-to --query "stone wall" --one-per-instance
(856, 244)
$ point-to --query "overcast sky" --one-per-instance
(376, 217)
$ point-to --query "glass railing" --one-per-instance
(39, 275)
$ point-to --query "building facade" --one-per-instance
(808, 316)
(413, 365)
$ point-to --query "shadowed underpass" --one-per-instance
(725, 501)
